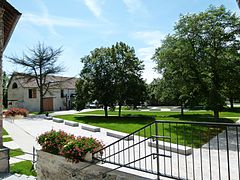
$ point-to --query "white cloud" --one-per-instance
(94, 7)
(54, 21)
(151, 40)
(135, 6)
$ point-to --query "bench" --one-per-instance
(91, 128)
(70, 123)
(119, 136)
(184, 150)
(57, 120)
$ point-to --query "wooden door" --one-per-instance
(48, 104)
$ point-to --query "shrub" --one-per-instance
(53, 141)
(16, 111)
(75, 150)
(71, 147)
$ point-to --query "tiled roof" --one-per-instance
(53, 81)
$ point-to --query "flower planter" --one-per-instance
(88, 157)
(51, 166)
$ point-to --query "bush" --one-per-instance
(71, 147)
(75, 150)
(53, 141)
(16, 111)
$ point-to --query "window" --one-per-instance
(32, 93)
(14, 86)
(62, 93)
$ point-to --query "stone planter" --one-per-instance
(4, 160)
(51, 166)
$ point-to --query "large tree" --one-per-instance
(111, 75)
(128, 85)
(40, 63)
(198, 55)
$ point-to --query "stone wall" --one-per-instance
(51, 166)
(4, 160)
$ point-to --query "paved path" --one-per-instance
(25, 131)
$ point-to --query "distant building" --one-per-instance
(24, 92)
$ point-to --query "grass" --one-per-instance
(16, 152)
(5, 132)
(24, 167)
(7, 139)
(202, 115)
(191, 135)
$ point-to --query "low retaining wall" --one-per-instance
(51, 166)
(4, 160)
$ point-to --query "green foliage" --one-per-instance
(24, 167)
(196, 60)
(111, 75)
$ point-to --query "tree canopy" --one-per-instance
(197, 58)
(111, 75)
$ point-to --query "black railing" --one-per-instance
(179, 150)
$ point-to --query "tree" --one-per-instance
(128, 85)
(97, 72)
(198, 53)
(238, 1)
(38, 65)
(111, 75)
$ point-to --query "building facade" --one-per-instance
(23, 92)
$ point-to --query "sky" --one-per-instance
(80, 26)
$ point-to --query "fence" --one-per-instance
(179, 150)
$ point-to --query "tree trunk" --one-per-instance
(41, 103)
(231, 103)
(216, 115)
(182, 112)
(119, 111)
(105, 110)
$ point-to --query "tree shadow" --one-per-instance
(200, 118)
(125, 119)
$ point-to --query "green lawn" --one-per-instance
(197, 115)
(7, 139)
(191, 135)
(5, 132)
(24, 167)
(16, 152)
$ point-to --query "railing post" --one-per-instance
(33, 158)
(157, 151)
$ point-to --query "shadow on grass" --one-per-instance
(193, 135)
(200, 118)
(113, 119)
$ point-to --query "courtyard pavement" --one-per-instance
(24, 133)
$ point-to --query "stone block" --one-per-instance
(70, 123)
(91, 128)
